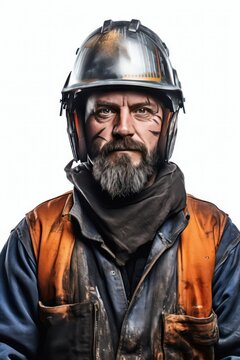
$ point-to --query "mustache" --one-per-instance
(123, 144)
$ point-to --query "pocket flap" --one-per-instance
(203, 331)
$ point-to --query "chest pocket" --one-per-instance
(187, 337)
(69, 331)
(75, 331)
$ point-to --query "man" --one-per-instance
(126, 266)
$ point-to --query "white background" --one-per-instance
(38, 44)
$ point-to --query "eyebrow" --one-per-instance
(115, 105)
(106, 103)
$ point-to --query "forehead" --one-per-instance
(123, 97)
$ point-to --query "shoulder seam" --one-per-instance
(195, 199)
(66, 194)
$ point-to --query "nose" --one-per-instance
(123, 126)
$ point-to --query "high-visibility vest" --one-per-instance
(53, 241)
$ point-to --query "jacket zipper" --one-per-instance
(133, 298)
(180, 229)
(141, 281)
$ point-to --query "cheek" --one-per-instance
(149, 135)
(97, 134)
(91, 128)
(152, 141)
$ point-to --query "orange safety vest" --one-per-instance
(53, 241)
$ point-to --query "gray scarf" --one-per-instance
(128, 223)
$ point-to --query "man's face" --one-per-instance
(115, 115)
(123, 130)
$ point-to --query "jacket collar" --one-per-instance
(167, 234)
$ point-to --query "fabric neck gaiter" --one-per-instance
(128, 223)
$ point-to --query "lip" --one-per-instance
(125, 150)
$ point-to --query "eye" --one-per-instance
(141, 110)
(104, 113)
(143, 113)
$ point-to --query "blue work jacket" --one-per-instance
(108, 317)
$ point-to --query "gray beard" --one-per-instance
(120, 178)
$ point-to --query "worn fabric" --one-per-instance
(128, 223)
(102, 310)
(193, 307)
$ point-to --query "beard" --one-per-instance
(119, 176)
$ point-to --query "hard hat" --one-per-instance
(122, 54)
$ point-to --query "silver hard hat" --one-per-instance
(123, 54)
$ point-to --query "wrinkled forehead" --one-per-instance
(123, 97)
